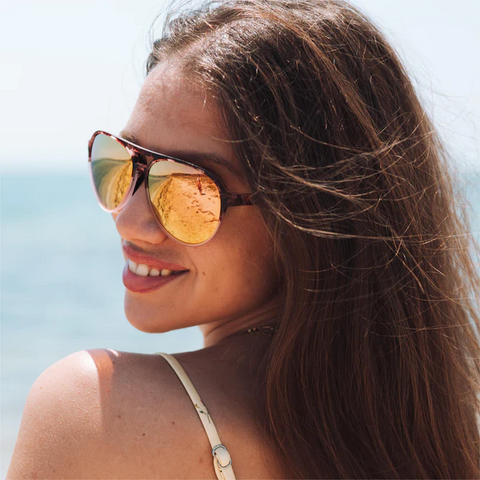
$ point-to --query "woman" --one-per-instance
(285, 177)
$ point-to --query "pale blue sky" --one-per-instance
(71, 67)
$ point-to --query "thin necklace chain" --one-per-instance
(262, 330)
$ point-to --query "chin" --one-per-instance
(143, 327)
(139, 317)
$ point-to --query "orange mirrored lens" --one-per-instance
(111, 169)
(187, 201)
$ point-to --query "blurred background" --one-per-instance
(69, 68)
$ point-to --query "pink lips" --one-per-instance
(136, 283)
(152, 262)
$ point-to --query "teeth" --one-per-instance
(143, 270)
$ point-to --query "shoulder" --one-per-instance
(101, 413)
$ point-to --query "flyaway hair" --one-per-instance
(375, 369)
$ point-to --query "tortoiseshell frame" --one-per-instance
(143, 159)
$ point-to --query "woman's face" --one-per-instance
(231, 283)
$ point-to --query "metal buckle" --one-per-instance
(218, 463)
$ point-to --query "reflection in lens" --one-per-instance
(111, 169)
(186, 200)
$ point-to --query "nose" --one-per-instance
(135, 221)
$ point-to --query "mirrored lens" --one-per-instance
(111, 170)
(187, 201)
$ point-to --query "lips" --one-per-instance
(150, 261)
(138, 284)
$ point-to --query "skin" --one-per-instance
(84, 412)
(232, 283)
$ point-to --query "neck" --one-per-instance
(218, 332)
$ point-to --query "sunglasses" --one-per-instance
(188, 201)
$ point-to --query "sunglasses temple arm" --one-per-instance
(234, 200)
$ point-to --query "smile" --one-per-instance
(143, 270)
(148, 283)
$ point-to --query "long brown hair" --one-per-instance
(375, 370)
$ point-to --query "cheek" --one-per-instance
(259, 264)
(244, 254)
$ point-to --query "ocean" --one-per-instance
(61, 285)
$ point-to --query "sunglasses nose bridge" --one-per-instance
(141, 170)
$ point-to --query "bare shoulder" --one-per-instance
(110, 414)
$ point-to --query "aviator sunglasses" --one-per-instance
(188, 201)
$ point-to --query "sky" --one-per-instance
(70, 67)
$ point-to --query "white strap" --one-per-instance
(222, 461)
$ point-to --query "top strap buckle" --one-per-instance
(215, 455)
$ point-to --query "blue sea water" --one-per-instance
(61, 285)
